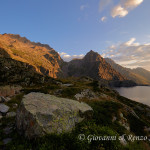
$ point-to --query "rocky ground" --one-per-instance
(111, 114)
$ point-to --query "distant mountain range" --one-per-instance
(138, 75)
(46, 61)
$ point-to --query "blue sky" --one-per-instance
(77, 26)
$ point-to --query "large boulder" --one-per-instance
(40, 114)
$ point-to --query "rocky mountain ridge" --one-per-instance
(42, 57)
(46, 61)
(138, 75)
(94, 66)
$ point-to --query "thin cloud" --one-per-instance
(124, 7)
(130, 54)
(103, 19)
(118, 11)
(82, 7)
(67, 57)
(129, 4)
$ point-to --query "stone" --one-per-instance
(8, 91)
(58, 92)
(86, 93)
(123, 141)
(2, 99)
(8, 99)
(41, 114)
(15, 105)
(6, 141)
(66, 85)
(124, 122)
(104, 95)
(4, 108)
(10, 114)
(121, 115)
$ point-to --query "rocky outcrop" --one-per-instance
(41, 114)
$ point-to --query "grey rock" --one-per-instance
(15, 105)
(40, 114)
(10, 114)
(8, 99)
(66, 85)
(2, 99)
(121, 115)
(104, 95)
(58, 92)
(6, 141)
(123, 141)
(124, 122)
(86, 93)
(4, 108)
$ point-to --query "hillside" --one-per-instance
(137, 75)
(41, 56)
(111, 115)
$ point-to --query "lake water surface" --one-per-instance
(137, 93)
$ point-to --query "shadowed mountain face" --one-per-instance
(138, 75)
(92, 65)
(42, 57)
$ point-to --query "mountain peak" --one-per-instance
(92, 56)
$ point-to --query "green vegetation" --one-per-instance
(100, 124)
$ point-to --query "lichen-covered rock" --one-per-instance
(40, 114)
(86, 93)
